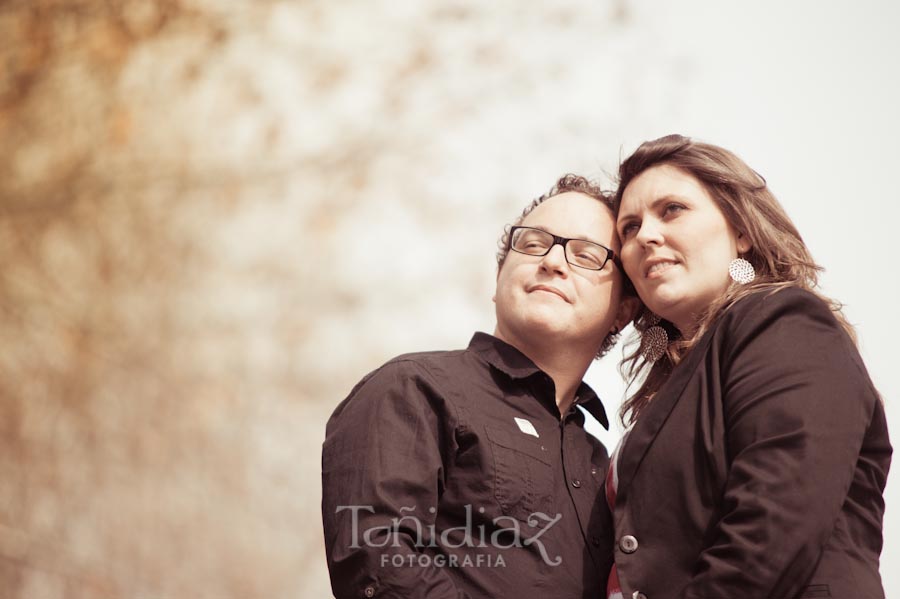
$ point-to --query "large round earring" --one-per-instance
(654, 339)
(741, 271)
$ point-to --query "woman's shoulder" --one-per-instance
(766, 302)
(790, 310)
(789, 330)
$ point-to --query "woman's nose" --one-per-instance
(649, 233)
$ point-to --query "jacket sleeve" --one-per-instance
(797, 406)
(383, 463)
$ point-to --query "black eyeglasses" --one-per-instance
(578, 252)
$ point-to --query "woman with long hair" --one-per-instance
(758, 451)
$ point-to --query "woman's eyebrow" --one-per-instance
(666, 198)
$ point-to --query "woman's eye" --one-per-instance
(673, 209)
(628, 229)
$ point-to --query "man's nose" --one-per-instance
(555, 259)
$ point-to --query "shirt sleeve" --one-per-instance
(383, 465)
(797, 406)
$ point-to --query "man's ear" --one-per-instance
(628, 309)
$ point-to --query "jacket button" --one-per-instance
(628, 544)
(370, 591)
(576, 483)
(638, 595)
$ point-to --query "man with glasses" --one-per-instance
(469, 473)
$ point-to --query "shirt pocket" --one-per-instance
(523, 474)
(815, 590)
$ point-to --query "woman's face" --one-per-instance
(676, 244)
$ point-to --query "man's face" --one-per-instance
(541, 299)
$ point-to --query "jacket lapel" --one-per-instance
(648, 425)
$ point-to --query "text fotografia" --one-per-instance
(423, 560)
(421, 536)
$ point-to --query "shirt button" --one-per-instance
(370, 591)
(628, 544)
(595, 540)
(638, 595)
(576, 483)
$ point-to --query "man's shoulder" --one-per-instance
(419, 378)
(435, 365)
(427, 357)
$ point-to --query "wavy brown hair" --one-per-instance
(777, 252)
(584, 186)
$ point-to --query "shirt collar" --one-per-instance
(509, 360)
(503, 356)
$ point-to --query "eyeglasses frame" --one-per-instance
(558, 240)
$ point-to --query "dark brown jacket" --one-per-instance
(757, 471)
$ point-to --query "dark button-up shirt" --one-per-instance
(453, 474)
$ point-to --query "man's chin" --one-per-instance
(545, 329)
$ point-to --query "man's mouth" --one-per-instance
(549, 289)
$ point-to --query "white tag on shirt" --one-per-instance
(526, 427)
